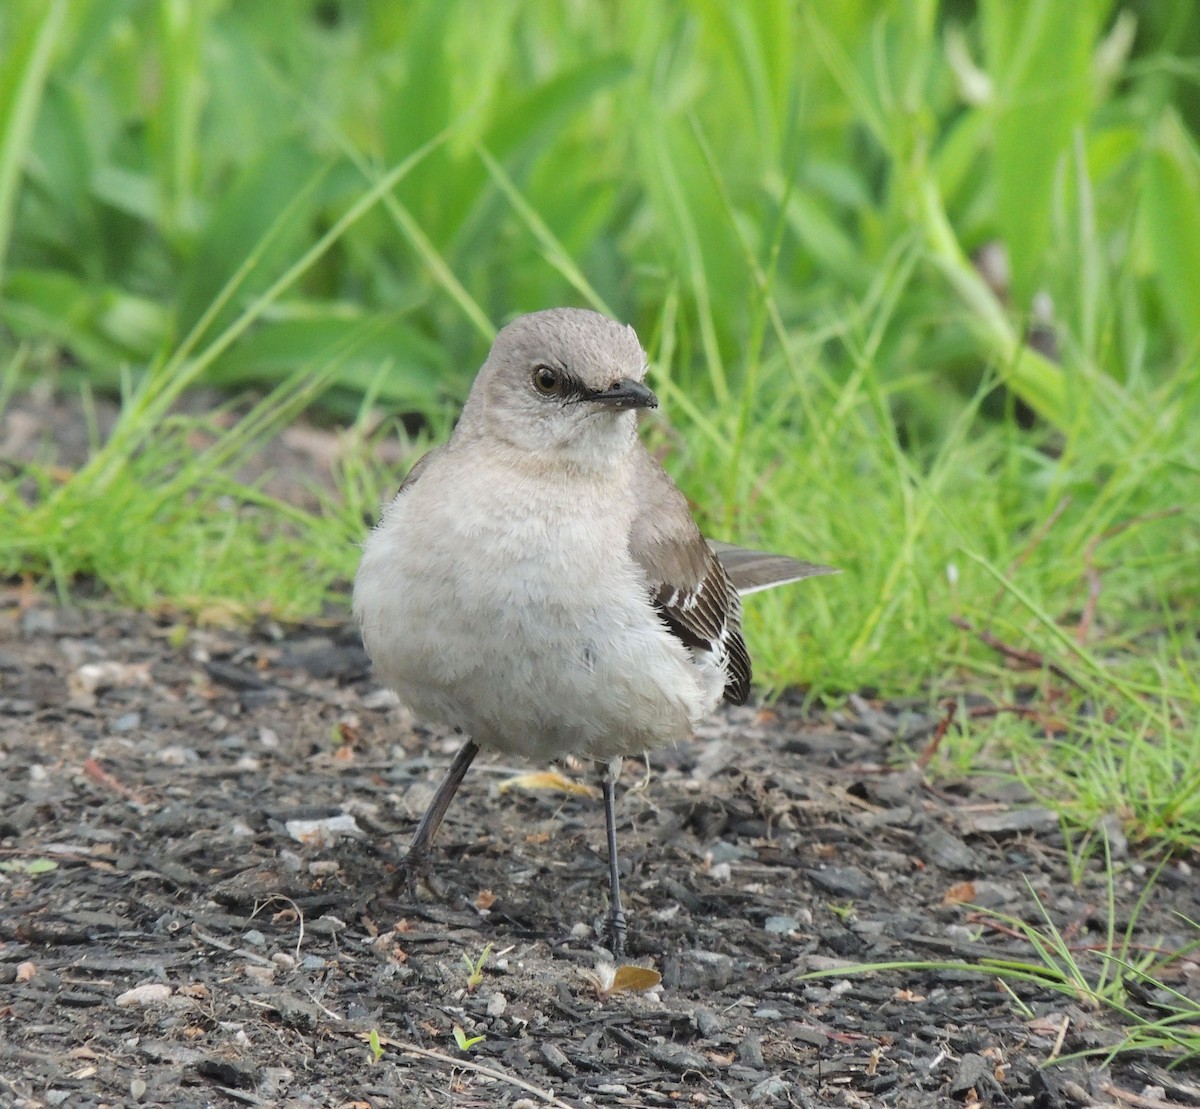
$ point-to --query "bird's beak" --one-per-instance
(626, 393)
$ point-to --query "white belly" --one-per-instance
(547, 646)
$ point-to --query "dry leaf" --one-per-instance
(26, 971)
(485, 900)
(961, 893)
(607, 980)
(546, 779)
(631, 977)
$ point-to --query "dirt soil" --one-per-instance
(223, 811)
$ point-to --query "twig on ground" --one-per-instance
(1030, 660)
(931, 748)
(548, 1096)
(98, 774)
(1130, 1098)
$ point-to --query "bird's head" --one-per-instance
(564, 384)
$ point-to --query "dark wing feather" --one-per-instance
(688, 585)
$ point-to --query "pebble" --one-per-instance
(255, 938)
(781, 925)
(1011, 822)
(283, 960)
(39, 621)
(496, 1005)
(707, 1022)
(150, 994)
(137, 1088)
(769, 1089)
(126, 722)
(945, 850)
(722, 852)
(749, 1052)
(317, 832)
(991, 895)
(973, 1071)
(264, 976)
(177, 755)
(323, 868)
(843, 881)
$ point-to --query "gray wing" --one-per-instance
(688, 584)
(751, 571)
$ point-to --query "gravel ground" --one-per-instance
(220, 927)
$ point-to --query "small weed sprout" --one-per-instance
(465, 1042)
(475, 967)
(375, 1046)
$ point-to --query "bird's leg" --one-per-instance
(616, 915)
(431, 821)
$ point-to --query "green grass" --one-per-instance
(335, 205)
(1123, 979)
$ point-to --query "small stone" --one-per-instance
(137, 1088)
(943, 849)
(769, 1089)
(264, 976)
(57, 1097)
(1118, 845)
(781, 925)
(707, 1022)
(38, 621)
(973, 1071)
(151, 994)
(1010, 823)
(496, 1005)
(283, 960)
(723, 852)
(991, 895)
(323, 868)
(126, 722)
(177, 755)
(749, 1052)
(843, 881)
(768, 1014)
(255, 938)
(316, 833)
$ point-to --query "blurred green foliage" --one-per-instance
(677, 154)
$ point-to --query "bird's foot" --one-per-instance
(410, 873)
(614, 933)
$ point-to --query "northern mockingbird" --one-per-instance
(539, 582)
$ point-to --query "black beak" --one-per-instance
(626, 393)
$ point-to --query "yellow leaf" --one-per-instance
(546, 779)
(634, 978)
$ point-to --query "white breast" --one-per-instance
(532, 630)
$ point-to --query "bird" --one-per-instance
(539, 582)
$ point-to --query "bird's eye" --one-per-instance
(547, 380)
